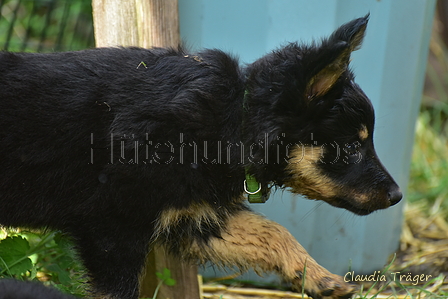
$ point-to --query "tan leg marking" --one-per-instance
(252, 241)
(200, 213)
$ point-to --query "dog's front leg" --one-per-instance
(252, 241)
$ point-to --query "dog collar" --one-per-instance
(255, 191)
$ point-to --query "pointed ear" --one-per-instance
(336, 52)
(351, 32)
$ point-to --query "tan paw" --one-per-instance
(328, 287)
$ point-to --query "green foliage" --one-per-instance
(47, 257)
(165, 278)
(14, 256)
(43, 26)
(429, 180)
(428, 177)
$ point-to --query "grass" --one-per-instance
(395, 287)
(428, 178)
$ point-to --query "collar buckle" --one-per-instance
(255, 192)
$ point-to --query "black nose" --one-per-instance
(395, 196)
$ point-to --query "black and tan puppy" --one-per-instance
(125, 147)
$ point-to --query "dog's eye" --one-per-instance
(352, 148)
(353, 154)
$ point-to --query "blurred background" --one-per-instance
(46, 25)
(62, 25)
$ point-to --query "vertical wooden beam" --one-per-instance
(147, 23)
(143, 23)
(186, 277)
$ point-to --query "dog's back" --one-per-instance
(73, 123)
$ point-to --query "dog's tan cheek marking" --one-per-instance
(363, 133)
(361, 198)
(373, 200)
(306, 178)
(251, 241)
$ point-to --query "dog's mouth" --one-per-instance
(345, 204)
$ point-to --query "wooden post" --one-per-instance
(142, 23)
(186, 276)
(147, 23)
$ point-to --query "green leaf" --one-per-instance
(63, 275)
(65, 262)
(166, 273)
(14, 253)
(63, 243)
(170, 282)
(160, 275)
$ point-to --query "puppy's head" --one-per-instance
(320, 124)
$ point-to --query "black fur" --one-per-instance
(97, 143)
(13, 289)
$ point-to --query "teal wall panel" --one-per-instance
(389, 67)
